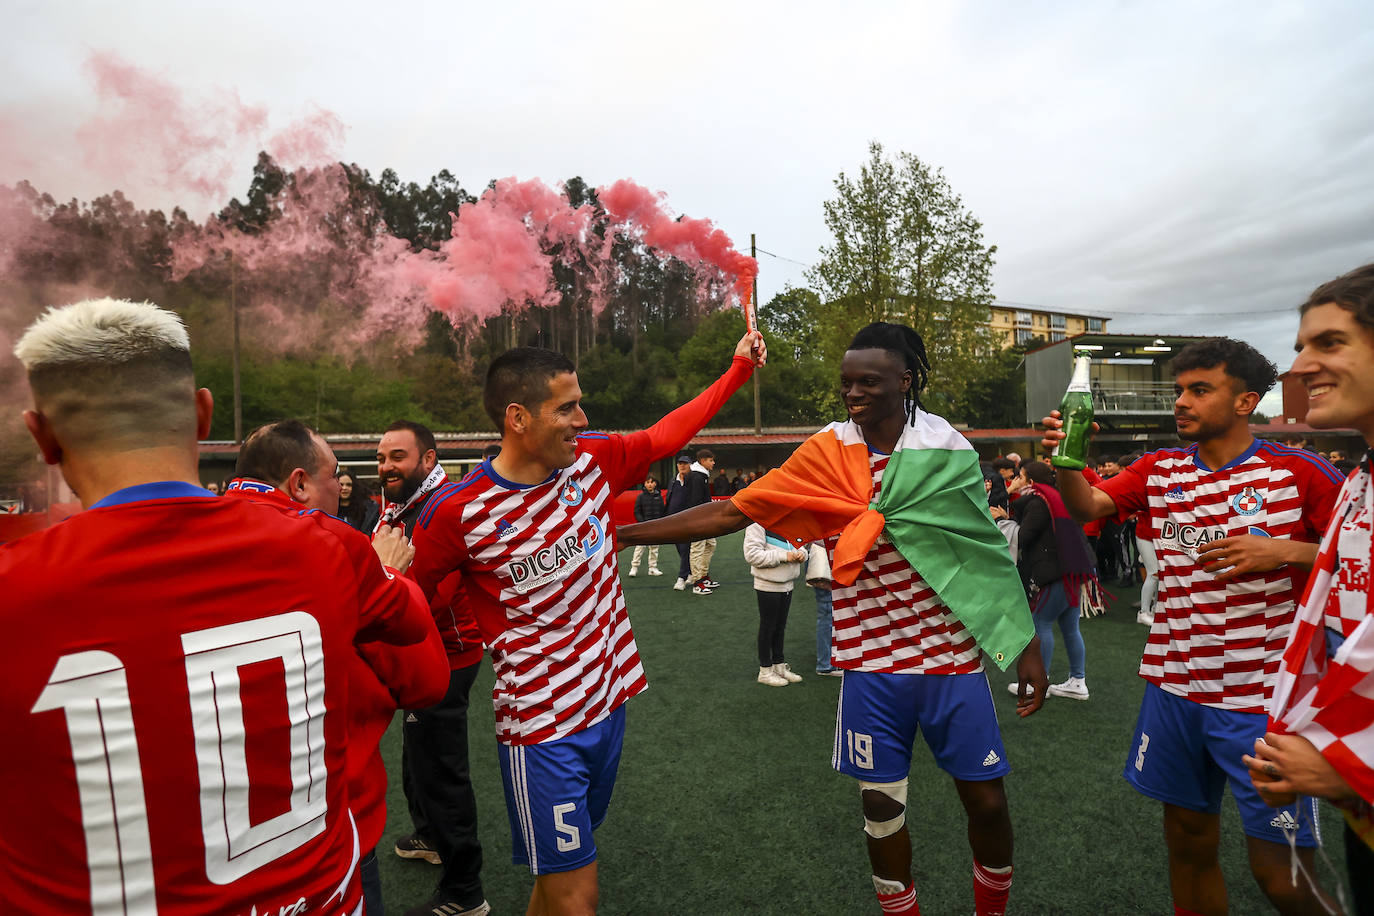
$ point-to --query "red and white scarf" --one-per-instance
(392, 511)
(1330, 701)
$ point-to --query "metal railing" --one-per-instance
(1133, 397)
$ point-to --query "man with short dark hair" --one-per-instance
(523, 545)
(287, 465)
(923, 588)
(683, 493)
(1234, 522)
(196, 636)
(435, 773)
(699, 490)
(1319, 741)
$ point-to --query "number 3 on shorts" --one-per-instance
(860, 749)
(1140, 754)
(569, 837)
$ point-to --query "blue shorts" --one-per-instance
(557, 793)
(880, 714)
(1185, 753)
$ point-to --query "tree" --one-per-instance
(907, 250)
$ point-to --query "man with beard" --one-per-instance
(1235, 523)
(434, 744)
(923, 585)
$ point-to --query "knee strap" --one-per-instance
(895, 791)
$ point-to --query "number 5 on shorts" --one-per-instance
(1140, 754)
(569, 837)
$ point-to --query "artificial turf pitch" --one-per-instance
(726, 803)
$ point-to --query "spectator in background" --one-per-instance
(679, 499)
(648, 505)
(356, 505)
(213, 487)
(1055, 565)
(774, 564)
(1005, 468)
(721, 485)
(699, 492)
(818, 577)
(737, 482)
(491, 451)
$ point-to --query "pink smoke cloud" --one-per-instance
(148, 127)
(636, 209)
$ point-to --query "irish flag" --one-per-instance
(932, 506)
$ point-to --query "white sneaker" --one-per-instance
(654, 572)
(784, 671)
(680, 585)
(1075, 688)
(767, 676)
(1145, 617)
(1014, 688)
(633, 572)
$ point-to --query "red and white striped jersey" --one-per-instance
(890, 620)
(1219, 644)
(535, 566)
(538, 571)
(1324, 691)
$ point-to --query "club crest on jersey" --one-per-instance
(570, 494)
(505, 529)
(1247, 501)
(551, 563)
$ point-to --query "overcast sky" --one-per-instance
(1192, 167)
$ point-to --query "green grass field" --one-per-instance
(726, 802)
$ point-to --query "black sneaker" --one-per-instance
(416, 847)
(441, 907)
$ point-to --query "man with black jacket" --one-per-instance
(434, 748)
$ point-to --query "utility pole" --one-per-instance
(238, 392)
(758, 412)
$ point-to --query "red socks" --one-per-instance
(898, 903)
(1180, 911)
(991, 886)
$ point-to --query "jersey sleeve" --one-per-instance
(1127, 489)
(439, 551)
(387, 606)
(1322, 485)
(629, 456)
(416, 675)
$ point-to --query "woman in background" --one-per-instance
(355, 506)
(775, 564)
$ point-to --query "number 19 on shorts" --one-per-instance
(860, 748)
(1140, 753)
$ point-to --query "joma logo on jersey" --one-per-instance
(1190, 537)
(549, 564)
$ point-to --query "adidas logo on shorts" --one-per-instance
(992, 759)
(1284, 821)
(411, 717)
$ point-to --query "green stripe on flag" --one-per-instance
(937, 518)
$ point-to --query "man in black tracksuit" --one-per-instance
(434, 748)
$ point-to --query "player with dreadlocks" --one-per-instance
(923, 586)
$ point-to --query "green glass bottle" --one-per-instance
(1076, 410)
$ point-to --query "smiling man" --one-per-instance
(523, 546)
(922, 585)
(1234, 522)
(1320, 742)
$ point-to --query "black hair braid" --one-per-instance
(907, 346)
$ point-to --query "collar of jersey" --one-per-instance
(1243, 456)
(511, 484)
(162, 489)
